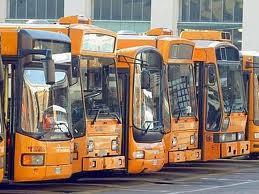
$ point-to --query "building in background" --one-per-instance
(223, 15)
(136, 15)
(250, 26)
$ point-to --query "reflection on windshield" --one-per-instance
(232, 87)
(100, 88)
(147, 102)
(181, 90)
(45, 107)
(256, 96)
(213, 101)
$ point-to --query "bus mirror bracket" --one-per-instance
(48, 62)
(1, 73)
(49, 69)
(211, 76)
(75, 67)
(145, 79)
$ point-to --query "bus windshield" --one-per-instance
(232, 86)
(256, 96)
(147, 102)
(181, 90)
(45, 108)
(99, 81)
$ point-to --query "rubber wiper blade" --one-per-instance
(68, 133)
(150, 123)
(178, 116)
(96, 116)
(116, 116)
(230, 110)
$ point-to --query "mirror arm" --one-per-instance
(44, 52)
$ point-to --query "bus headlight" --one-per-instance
(174, 142)
(256, 135)
(192, 139)
(240, 136)
(222, 137)
(140, 154)
(33, 159)
(114, 145)
(90, 146)
(225, 123)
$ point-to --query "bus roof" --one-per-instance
(209, 43)
(76, 32)
(10, 41)
(126, 56)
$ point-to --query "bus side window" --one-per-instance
(213, 102)
(77, 108)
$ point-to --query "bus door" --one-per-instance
(2, 134)
(210, 111)
(123, 87)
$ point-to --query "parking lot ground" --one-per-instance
(224, 176)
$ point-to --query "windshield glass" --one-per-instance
(147, 101)
(232, 86)
(99, 80)
(256, 95)
(45, 108)
(181, 90)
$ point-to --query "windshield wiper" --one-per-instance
(178, 116)
(230, 110)
(150, 123)
(96, 116)
(116, 116)
(100, 110)
(68, 133)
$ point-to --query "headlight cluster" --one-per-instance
(240, 136)
(90, 146)
(174, 142)
(114, 145)
(33, 159)
(230, 137)
(140, 154)
(192, 139)
(225, 123)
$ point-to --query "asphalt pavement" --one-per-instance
(222, 176)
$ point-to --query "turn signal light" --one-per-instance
(33, 159)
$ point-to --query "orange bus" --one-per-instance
(2, 134)
(140, 71)
(250, 71)
(96, 118)
(39, 140)
(221, 95)
(181, 143)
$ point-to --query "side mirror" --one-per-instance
(70, 76)
(49, 68)
(75, 67)
(1, 73)
(145, 79)
(211, 76)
